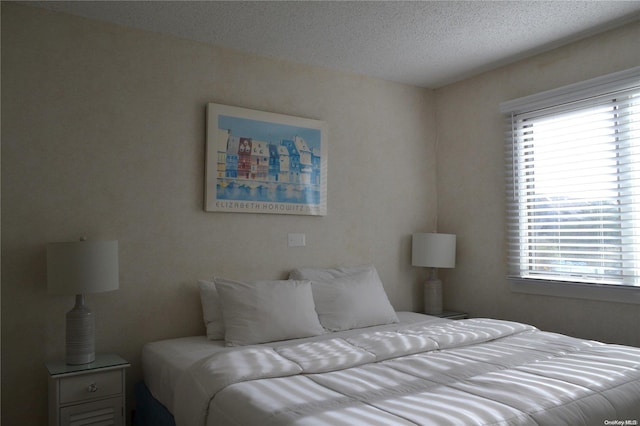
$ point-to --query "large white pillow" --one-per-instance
(211, 310)
(349, 297)
(267, 311)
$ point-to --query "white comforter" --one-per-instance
(469, 372)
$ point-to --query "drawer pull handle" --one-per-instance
(92, 388)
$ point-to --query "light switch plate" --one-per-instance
(296, 240)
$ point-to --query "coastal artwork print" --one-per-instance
(262, 162)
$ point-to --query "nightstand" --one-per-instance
(452, 315)
(88, 394)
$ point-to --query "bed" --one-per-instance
(361, 363)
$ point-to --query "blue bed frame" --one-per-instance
(149, 411)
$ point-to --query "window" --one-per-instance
(573, 183)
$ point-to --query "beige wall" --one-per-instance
(103, 135)
(470, 188)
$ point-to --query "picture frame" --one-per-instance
(263, 162)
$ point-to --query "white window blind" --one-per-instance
(573, 182)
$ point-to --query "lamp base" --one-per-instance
(80, 334)
(433, 297)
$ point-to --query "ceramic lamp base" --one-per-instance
(80, 334)
(433, 297)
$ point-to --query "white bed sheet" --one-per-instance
(164, 361)
(476, 371)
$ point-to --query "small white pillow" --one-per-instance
(352, 301)
(327, 274)
(211, 310)
(267, 311)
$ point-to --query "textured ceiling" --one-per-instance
(423, 43)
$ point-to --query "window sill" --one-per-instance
(605, 293)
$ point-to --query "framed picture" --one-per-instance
(261, 162)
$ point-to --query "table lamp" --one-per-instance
(433, 251)
(78, 268)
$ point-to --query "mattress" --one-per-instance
(163, 362)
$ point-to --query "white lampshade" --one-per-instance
(82, 267)
(434, 250)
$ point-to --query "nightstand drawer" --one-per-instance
(90, 386)
(105, 412)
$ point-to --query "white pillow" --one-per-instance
(211, 310)
(267, 311)
(327, 274)
(354, 299)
